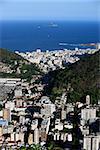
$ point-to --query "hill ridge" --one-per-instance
(82, 77)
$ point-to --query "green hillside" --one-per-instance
(8, 56)
(78, 79)
(19, 66)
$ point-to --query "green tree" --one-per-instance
(35, 147)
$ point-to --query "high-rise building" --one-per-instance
(13, 136)
(88, 113)
(88, 99)
(30, 139)
(36, 136)
(91, 142)
(63, 114)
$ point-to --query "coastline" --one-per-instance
(46, 35)
(51, 60)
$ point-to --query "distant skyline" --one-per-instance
(50, 10)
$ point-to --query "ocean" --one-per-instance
(47, 35)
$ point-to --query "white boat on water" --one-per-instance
(64, 44)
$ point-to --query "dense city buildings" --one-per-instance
(51, 60)
(30, 118)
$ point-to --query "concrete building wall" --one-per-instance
(6, 114)
(87, 143)
(88, 113)
(30, 139)
(36, 136)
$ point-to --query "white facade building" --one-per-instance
(88, 113)
(36, 136)
(48, 109)
(91, 142)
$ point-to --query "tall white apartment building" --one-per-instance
(91, 142)
(88, 113)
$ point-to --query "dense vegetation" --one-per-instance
(8, 56)
(19, 66)
(50, 146)
(78, 79)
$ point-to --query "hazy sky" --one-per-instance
(49, 9)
